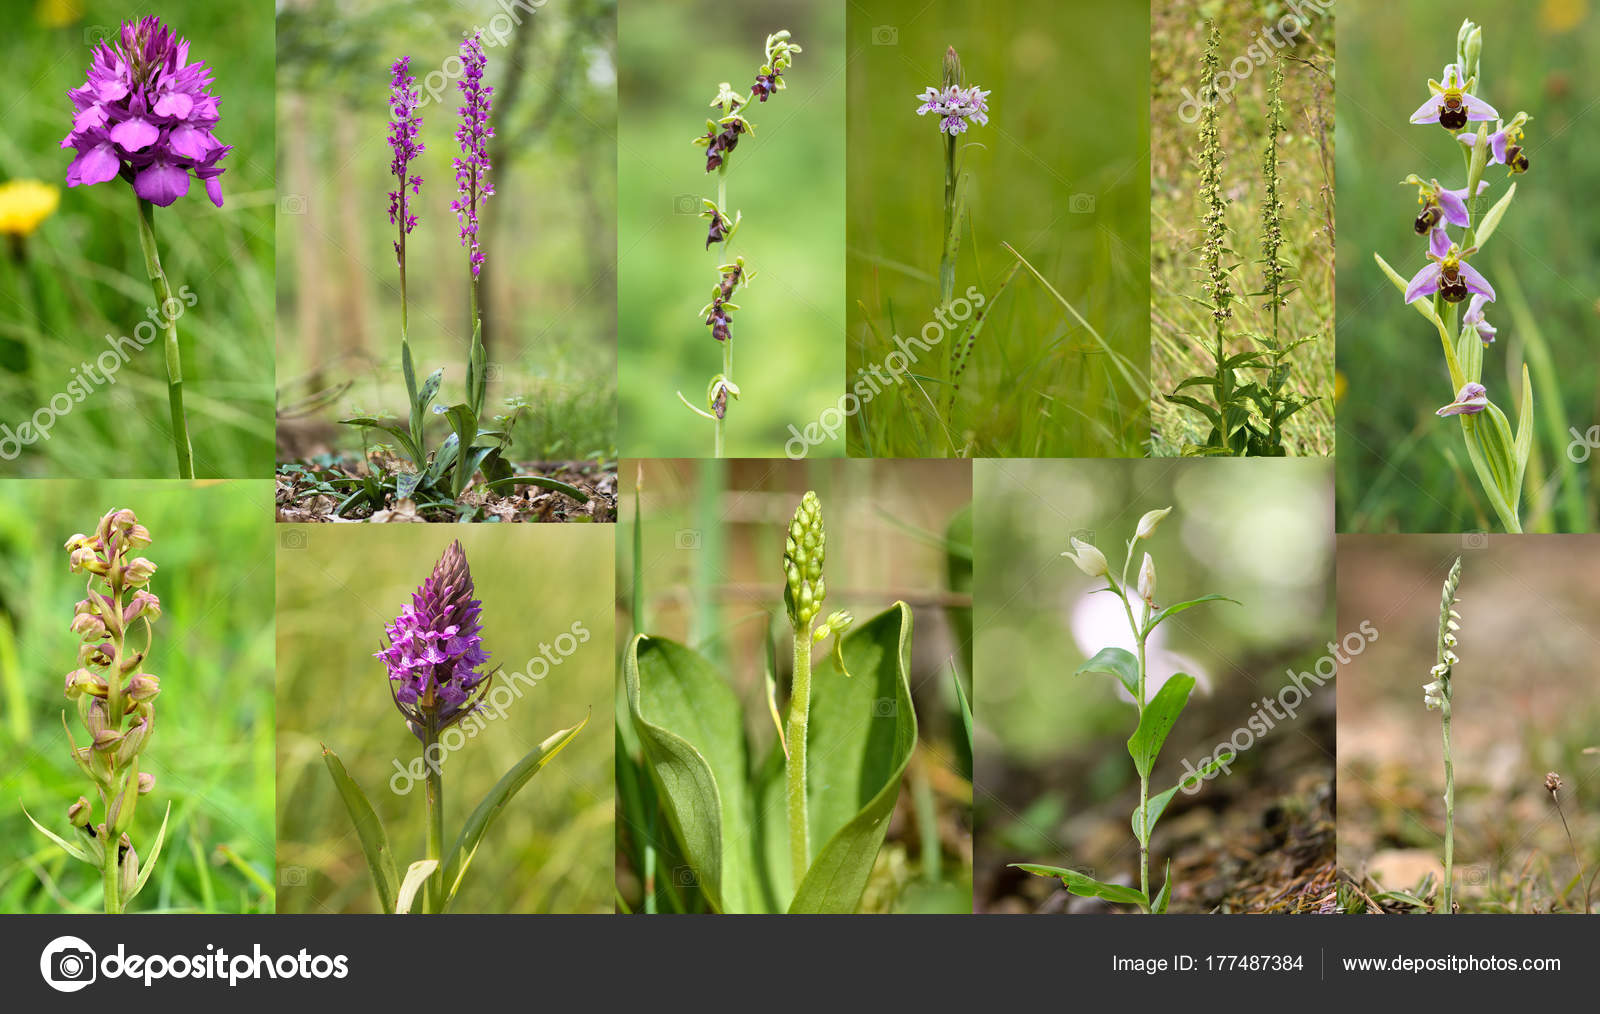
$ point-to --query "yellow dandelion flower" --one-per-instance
(24, 204)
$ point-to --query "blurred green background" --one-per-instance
(548, 231)
(1055, 784)
(1060, 172)
(81, 275)
(710, 575)
(1400, 467)
(550, 850)
(787, 178)
(1524, 704)
(1181, 329)
(212, 751)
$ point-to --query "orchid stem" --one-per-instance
(433, 760)
(799, 715)
(163, 293)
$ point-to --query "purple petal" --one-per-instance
(1454, 208)
(1476, 282)
(1470, 399)
(191, 142)
(91, 118)
(1423, 283)
(96, 165)
(162, 183)
(1477, 109)
(135, 134)
(1497, 145)
(1438, 243)
(1428, 112)
(176, 104)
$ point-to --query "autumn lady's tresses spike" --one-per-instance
(472, 168)
(721, 137)
(146, 113)
(115, 699)
(1437, 695)
(435, 651)
(404, 125)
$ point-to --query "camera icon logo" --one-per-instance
(686, 204)
(1081, 204)
(67, 964)
(885, 35)
(686, 538)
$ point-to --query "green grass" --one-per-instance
(1181, 329)
(1058, 174)
(548, 231)
(550, 850)
(212, 753)
(786, 179)
(81, 277)
(1399, 467)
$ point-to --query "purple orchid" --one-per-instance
(1440, 204)
(404, 125)
(472, 170)
(435, 648)
(1505, 145)
(1470, 400)
(1474, 318)
(145, 113)
(1448, 273)
(1452, 104)
(955, 107)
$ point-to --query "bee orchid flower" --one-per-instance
(1448, 273)
(1452, 104)
(1505, 145)
(1471, 399)
(1440, 204)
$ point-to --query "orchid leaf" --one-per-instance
(71, 849)
(1159, 801)
(1524, 427)
(1085, 886)
(1159, 906)
(1156, 721)
(1491, 220)
(399, 433)
(862, 733)
(1422, 306)
(1178, 607)
(1118, 662)
(540, 481)
(150, 860)
(417, 874)
(471, 836)
(369, 829)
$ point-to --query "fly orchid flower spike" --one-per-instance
(1448, 273)
(716, 312)
(435, 650)
(780, 56)
(146, 113)
(722, 227)
(718, 393)
(1452, 104)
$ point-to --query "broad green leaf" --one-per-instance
(1118, 662)
(538, 480)
(71, 849)
(443, 460)
(863, 729)
(1088, 887)
(1481, 464)
(494, 801)
(1156, 721)
(1210, 413)
(691, 729)
(1491, 220)
(1159, 906)
(374, 842)
(417, 874)
(1159, 801)
(1178, 607)
(1198, 381)
(405, 484)
(430, 390)
(150, 860)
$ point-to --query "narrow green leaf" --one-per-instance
(540, 481)
(1422, 306)
(1118, 662)
(417, 874)
(1159, 907)
(1087, 887)
(1156, 721)
(1159, 801)
(1524, 428)
(966, 708)
(862, 732)
(1198, 382)
(71, 849)
(374, 842)
(471, 836)
(150, 860)
(399, 433)
(1491, 221)
(1211, 414)
(1178, 607)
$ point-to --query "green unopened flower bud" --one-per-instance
(1147, 581)
(1148, 523)
(78, 813)
(952, 68)
(97, 719)
(803, 552)
(133, 741)
(129, 862)
(85, 559)
(147, 781)
(106, 739)
(143, 687)
(1089, 559)
(1469, 48)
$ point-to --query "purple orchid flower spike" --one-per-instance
(1470, 400)
(404, 125)
(955, 107)
(1448, 273)
(472, 169)
(435, 651)
(146, 113)
(1452, 103)
(1505, 145)
(1474, 318)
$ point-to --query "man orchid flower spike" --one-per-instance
(115, 699)
(146, 114)
(436, 662)
(720, 139)
(1448, 278)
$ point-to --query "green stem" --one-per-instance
(433, 760)
(947, 260)
(1144, 794)
(727, 343)
(111, 876)
(1447, 890)
(799, 714)
(163, 293)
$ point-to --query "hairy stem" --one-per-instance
(163, 293)
(799, 716)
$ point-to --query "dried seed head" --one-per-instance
(1552, 783)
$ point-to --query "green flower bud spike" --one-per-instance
(804, 548)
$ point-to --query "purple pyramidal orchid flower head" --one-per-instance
(1452, 103)
(1448, 273)
(404, 125)
(435, 653)
(146, 114)
(1470, 400)
(472, 168)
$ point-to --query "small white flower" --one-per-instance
(1089, 559)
